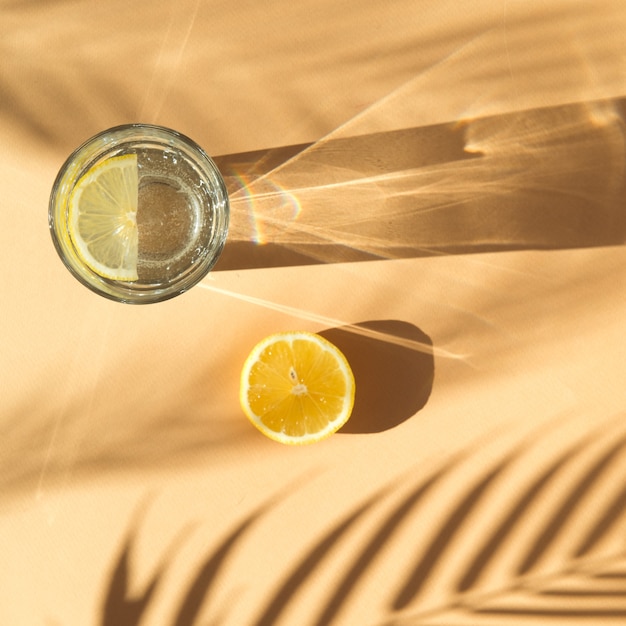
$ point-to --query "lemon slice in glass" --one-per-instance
(297, 387)
(102, 217)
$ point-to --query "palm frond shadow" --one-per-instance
(569, 561)
(119, 606)
(197, 594)
(523, 594)
(308, 566)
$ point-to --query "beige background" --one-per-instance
(450, 177)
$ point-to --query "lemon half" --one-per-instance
(102, 217)
(297, 387)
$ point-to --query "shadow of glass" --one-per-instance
(550, 178)
(393, 377)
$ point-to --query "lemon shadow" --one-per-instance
(393, 379)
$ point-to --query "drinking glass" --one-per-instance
(181, 219)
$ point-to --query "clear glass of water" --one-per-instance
(181, 219)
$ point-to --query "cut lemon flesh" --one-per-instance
(297, 387)
(102, 218)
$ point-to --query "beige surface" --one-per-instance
(459, 186)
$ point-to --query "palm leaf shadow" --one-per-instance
(563, 612)
(612, 576)
(526, 594)
(382, 536)
(584, 602)
(314, 558)
(307, 566)
(605, 523)
(450, 528)
(120, 607)
(122, 610)
(472, 574)
(453, 526)
(523, 592)
(199, 590)
(572, 501)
